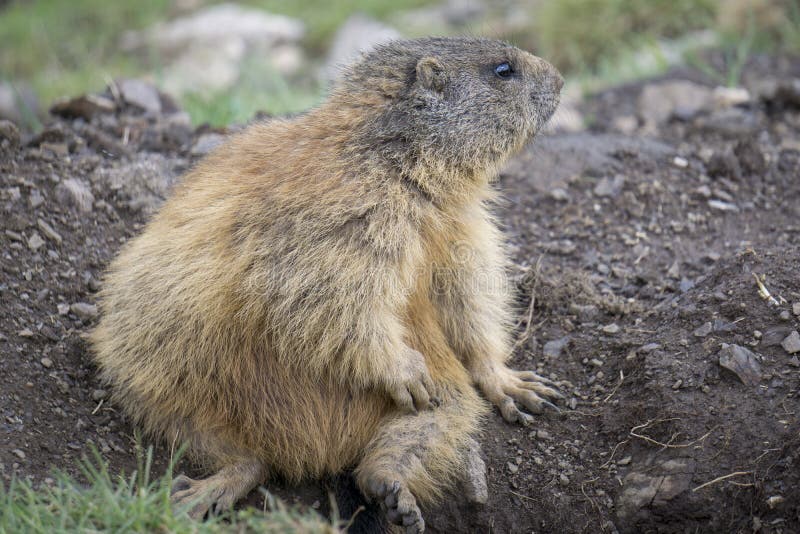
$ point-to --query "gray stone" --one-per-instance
(742, 362)
(612, 328)
(792, 343)
(796, 308)
(47, 363)
(660, 101)
(35, 241)
(654, 489)
(84, 310)
(775, 335)
(99, 394)
(48, 231)
(9, 134)
(554, 347)
(358, 34)
(703, 330)
(140, 94)
(608, 187)
(76, 193)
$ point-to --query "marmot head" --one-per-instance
(464, 104)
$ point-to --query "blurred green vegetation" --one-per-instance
(63, 48)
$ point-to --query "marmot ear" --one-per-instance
(431, 74)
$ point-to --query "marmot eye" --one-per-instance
(504, 70)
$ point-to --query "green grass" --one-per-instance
(136, 503)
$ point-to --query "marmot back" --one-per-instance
(313, 297)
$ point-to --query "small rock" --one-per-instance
(35, 199)
(726, 97)
(18, 453)
(72, 192)
(775, 335)
(63, 308)
(358, 34)
(685, 285)
(624, 461)
(660, 101)
(704, 330)
(784, 315)
(512, 468)
(607, 187)
(48, 231)
(563, 479)
(140, 93)
(559, 194)
(84, 310)
(792, 343)
(742, 362)
(9, 134)
(612, 328)
(25, 332)
(704, 191)
(680, 162)
(796, 308)
(47, 363)
(573, 403)
(722, 205)
(35, 241)
(775, 501)
(542, 434)
(554, 347)
(99, 394)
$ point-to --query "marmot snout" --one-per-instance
(313, 297)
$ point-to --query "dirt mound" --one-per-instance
(657, 280)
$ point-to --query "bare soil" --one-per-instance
(636, 257)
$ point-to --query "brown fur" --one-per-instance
(268, 312)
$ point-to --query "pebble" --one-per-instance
(35, 199)
(559, 194)
(47, 363)
(35, 241)
(25, 332)
(680, 162)
(796, 308)
(99, 394)
(784, 315)
(63, 308)
(512, 468)
(624, 461)
(573, 403)
(612, 328)
(741, 361)
(704, 330)
(775, 500)
(554, 347)
(542, 434)
(722, 206)
(18, 453)
(48, 231)
(792, 343)
(84, 310)
(563, 479)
